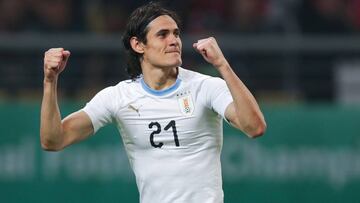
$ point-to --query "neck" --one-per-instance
(160, 78)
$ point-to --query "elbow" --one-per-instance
(47, 145)
(257, 131)
(49, 148)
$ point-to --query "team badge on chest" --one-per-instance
(186, 104)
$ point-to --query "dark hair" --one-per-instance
(137, 27)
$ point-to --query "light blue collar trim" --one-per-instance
(160, 92)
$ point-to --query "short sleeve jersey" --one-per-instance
(173, 137)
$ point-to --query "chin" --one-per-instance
(176, 63)
(179, 63)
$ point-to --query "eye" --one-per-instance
(177, 33)
(162, 34)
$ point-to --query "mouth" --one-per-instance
(173, 51)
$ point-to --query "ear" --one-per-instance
(137, 45)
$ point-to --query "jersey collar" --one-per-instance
(163, 92)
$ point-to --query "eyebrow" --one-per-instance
(167, 30)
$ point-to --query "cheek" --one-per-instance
(158, 49)
(154, 51)
(180, 43)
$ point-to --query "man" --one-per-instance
(170, 119)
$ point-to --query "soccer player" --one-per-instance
(169, 118)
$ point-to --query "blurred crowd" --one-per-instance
(312, 75)
(240, 16)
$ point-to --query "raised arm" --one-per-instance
(56, 134)
(244, 112)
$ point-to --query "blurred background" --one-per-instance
(300, 58)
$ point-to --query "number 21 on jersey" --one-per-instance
(157, 130)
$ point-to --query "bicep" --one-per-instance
(76, 127)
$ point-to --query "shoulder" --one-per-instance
(193, 76)
(125, 86)
(120, 88)
(189, 75)
(116, 96)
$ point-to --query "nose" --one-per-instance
(174, 40)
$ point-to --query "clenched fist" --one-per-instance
(55, 60)
(211, 51)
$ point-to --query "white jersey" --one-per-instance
(173, 137)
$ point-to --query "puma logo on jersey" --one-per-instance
(134, 109)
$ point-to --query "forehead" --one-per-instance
(162, 22)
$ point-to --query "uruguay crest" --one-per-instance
(186, 105)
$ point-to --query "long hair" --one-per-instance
(137, 27)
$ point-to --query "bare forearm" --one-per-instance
(50, 124)
(248, 114)
(244, 113)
